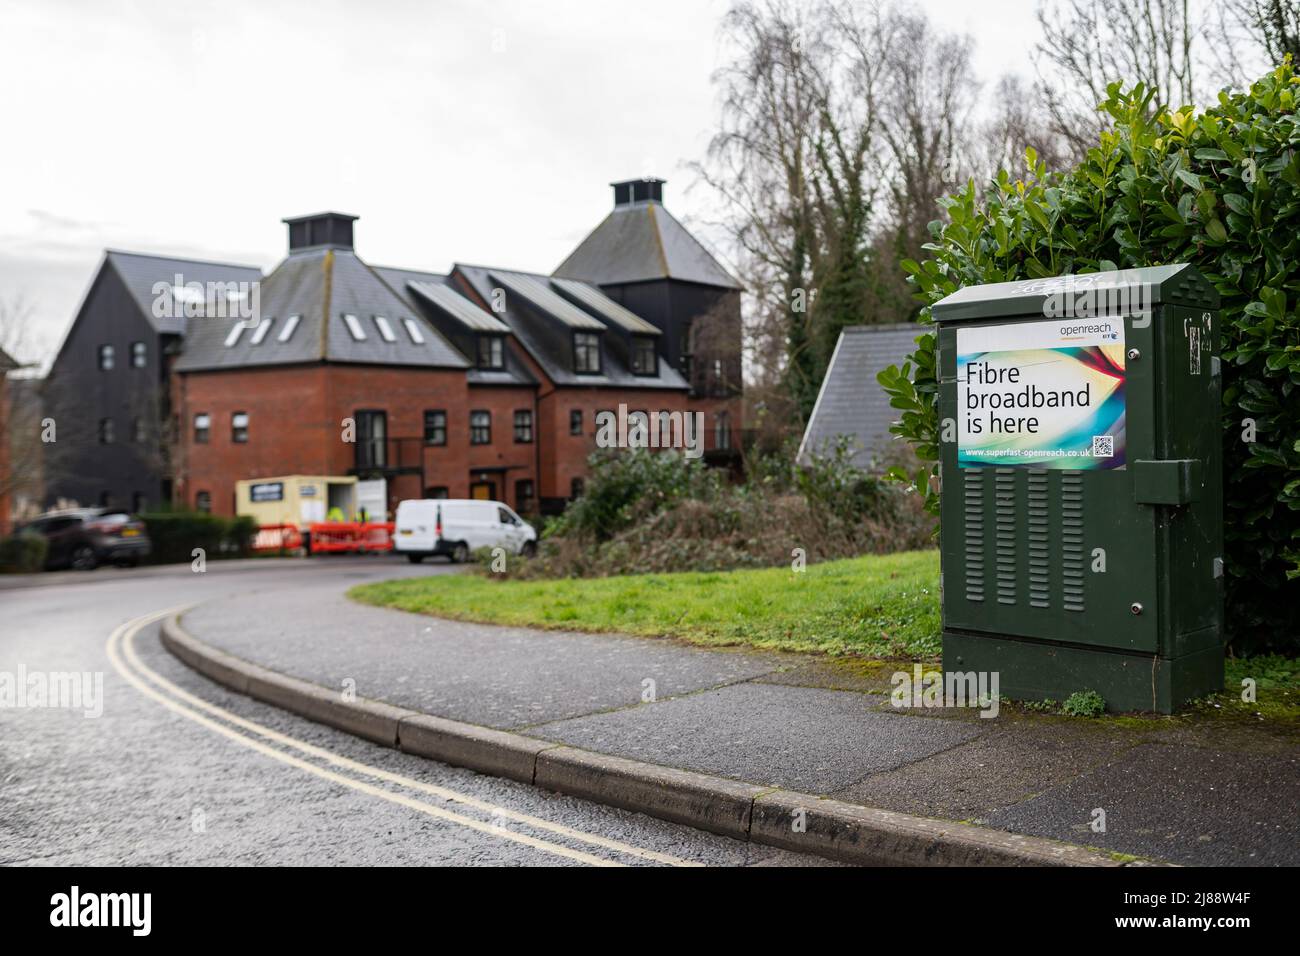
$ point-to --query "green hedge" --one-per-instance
(175, 535)
(22, 553)
(1220, 190)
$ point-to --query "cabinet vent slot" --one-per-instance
(973, 505)
(1072, 556)
(1004, 534)
(1038, 534)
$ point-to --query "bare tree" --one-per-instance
(1018, 123)
(1089, 44)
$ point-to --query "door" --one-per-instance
(482, 491)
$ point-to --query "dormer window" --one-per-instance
(645, 361)
(586, 352)
(491, 352)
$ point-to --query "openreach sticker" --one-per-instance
(1042, 395)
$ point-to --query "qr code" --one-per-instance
(1103, 446)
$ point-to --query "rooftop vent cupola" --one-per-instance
(647, 189)
(324, 230)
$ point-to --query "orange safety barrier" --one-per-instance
(277, 537)
(346, 536)
(377, 536)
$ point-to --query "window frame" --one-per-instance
(105, 357)
(105, 431)
(575, 421)
(430, 442)
(140, 350)
(496, 352)
(475, 438)
(239, 433)
(202, 436)
(588, 344)
(641, 343)
(526, 428)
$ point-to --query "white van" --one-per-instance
(456, 527)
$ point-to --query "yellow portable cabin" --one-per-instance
(299, 500)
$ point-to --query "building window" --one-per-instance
(575, 421)
(372, 435)
(203, 501)
(354, 328)
(645, 361)
(722, 431)
(139, 503)
(289, 326)
(202, 428)
(435, 427)
(385, 330)
(139, 355)
(491, 352)
(239, 427)
(105, 358)
(139, 433)
(437, 491)
(524, 495)
(106, 431)
(575, 488)
(523, 425)
(413, 331)
(480, 428)
(586, 352)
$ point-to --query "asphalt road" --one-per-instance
(177, 770)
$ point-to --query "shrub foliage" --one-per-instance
(1219, 189)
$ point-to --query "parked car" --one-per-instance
(85, 538)
(456, 527)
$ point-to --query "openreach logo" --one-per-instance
(71, 690)
(624, 429)
(921, 688)
(102, 909)
(179, 299)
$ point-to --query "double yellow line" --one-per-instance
(260, 738)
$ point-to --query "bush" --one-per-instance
(652, 512)
(22, 553)
(1084, 703)
(175, 535)
(1220, 190)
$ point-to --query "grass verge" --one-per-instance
(876, 606)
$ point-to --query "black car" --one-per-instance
(85, 538)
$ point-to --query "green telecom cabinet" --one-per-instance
(1082, 487)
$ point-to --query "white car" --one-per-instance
(457, 527)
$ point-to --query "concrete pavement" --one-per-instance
(1176, 790)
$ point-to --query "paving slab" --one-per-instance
(497, 677)
(796, 738)
(1184, 804)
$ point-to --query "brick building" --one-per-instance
(480, 382)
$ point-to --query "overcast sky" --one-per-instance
(458, 130)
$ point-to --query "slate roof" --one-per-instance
(589, 297)
(851, 402)
(638, 242)
(321, 286)
(550, 342)
(139, 273)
